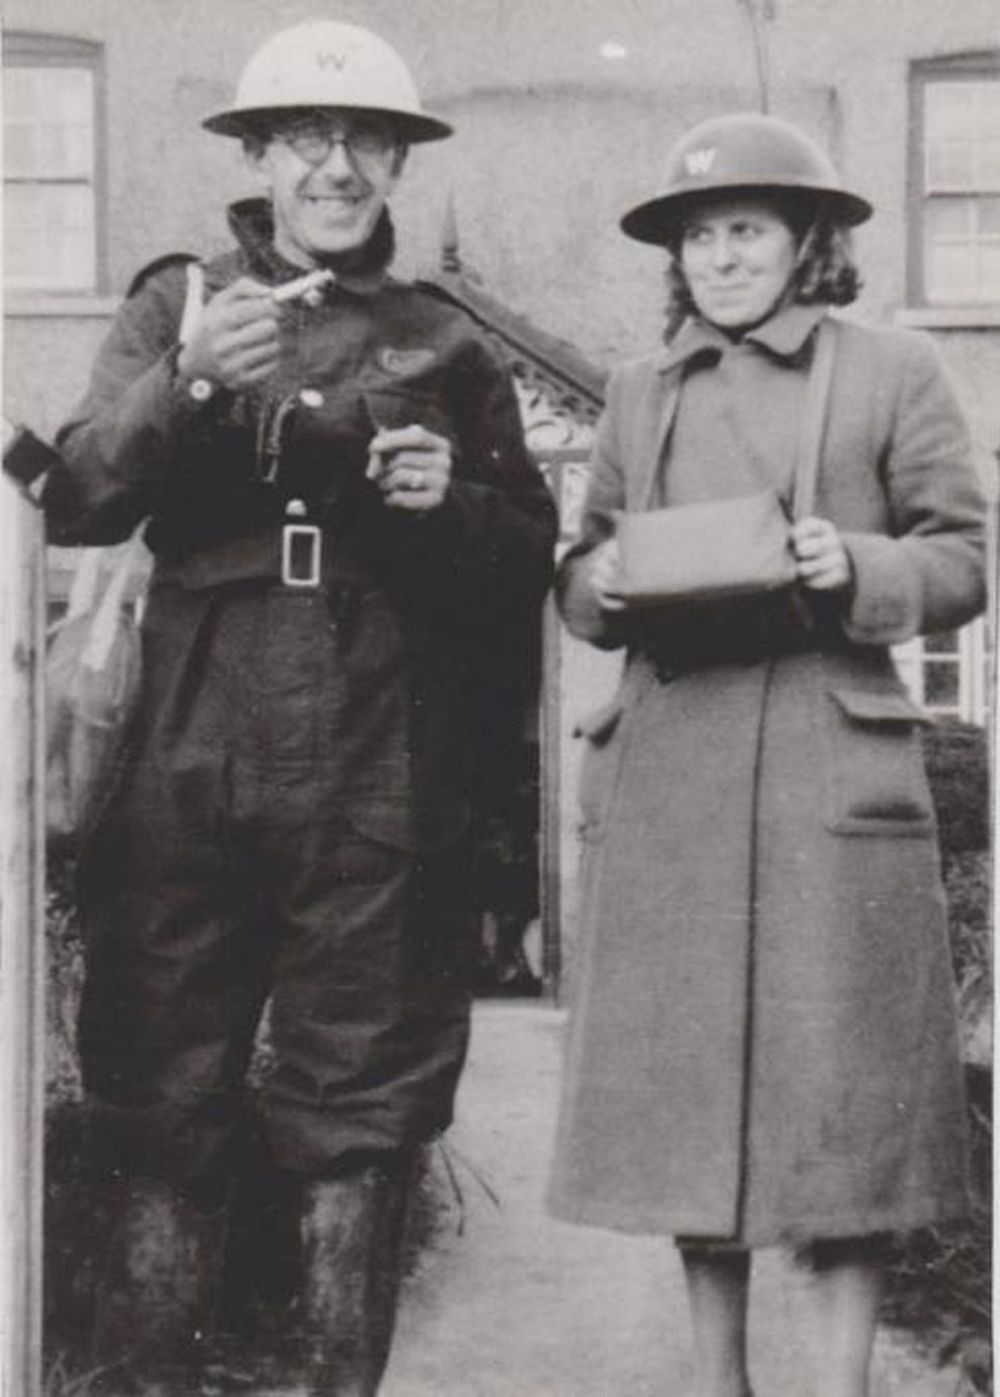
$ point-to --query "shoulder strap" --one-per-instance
(159, 264)
(192, 302)
(814, 418)
(645, 487)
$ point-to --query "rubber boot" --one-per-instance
(157, 1294)
(352, 1237)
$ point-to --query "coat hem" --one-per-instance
(650, 1222)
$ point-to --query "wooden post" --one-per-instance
(22, 939)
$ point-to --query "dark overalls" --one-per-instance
(293, 825)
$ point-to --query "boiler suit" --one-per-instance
(293, 822)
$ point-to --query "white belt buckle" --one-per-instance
(301, 555)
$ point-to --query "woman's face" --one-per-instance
(737, 256)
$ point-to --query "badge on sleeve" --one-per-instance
(401, 363)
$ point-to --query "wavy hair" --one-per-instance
(825, 271)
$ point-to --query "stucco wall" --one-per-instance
(555, 140)
(558, 115)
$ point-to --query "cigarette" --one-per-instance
(303, 285)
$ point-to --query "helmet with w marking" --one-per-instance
(749, 154)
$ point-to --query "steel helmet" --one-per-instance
(742, 153)
(327, 64)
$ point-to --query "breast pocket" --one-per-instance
(876, 782)
(391, 405)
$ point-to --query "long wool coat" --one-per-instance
(763, 1040)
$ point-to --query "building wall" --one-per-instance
(554, 140)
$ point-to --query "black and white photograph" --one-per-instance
(498, 542)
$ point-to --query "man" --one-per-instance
(346, 533)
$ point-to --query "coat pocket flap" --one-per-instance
(881, 708)
(601, 723)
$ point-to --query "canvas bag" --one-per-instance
(93, 669)
(92, 673)
(717, 549)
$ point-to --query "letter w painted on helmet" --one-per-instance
(699, 162)
(332, 60)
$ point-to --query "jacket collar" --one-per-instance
(363, 272)
(784, 334)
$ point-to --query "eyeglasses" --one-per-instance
(313, 139)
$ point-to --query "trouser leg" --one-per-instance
(370, 1024)
(352, 1240)
(157, 1290)
(177, 958)
(370, 1007)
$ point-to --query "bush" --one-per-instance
(940, 1278)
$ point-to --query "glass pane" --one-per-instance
(48, 122)
(989, 163)
(989, 271)
(988, 102)
(952, 271)
(941, 684)
(49, 237)
(950, 165)
(951, 110)
(949, 218)
(988, 211)
(941, 643)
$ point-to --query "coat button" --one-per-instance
(311, 397)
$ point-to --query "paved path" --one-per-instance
(519, 1305)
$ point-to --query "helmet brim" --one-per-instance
(658, 220)
(413, 128)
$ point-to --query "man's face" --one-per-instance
(329, 174)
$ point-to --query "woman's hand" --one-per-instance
(604, 573)
(821, 559)
(411, 466)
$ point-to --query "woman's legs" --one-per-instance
(718, 1287)
(847, 1277)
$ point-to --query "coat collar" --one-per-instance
(251, 222)
(783, 334)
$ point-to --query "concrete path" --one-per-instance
(518, 1305)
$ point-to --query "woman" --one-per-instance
(763, 1045)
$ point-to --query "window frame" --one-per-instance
(34, 49)
(960, 67)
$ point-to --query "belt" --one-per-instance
(296, 554)
(301, 548)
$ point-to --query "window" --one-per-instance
(948, 673)
(51, 102)
(955, 181)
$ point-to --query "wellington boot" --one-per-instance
(352, 1236)
(156, 1296)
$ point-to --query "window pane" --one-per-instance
(952, 271)
(950, 165)
(48, 123)
(989, 215)
(941, 643)
(49, 236)
(941, 684)
(989, 271)
(951, 110)
(989, 163)
(962, 121)
(949, 218)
